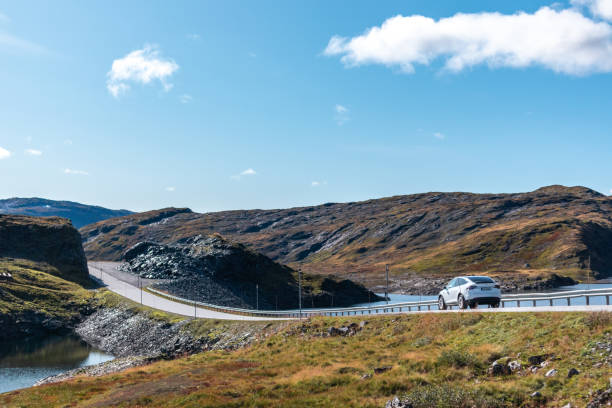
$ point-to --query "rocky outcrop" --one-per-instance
(123, 332)
(51, 240)
(213, 270)
(551, 230)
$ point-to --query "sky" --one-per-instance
(273, 104)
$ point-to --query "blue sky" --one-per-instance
(229, 105)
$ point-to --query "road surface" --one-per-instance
(126, 285)
(118, 282)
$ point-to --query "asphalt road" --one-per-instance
(126, 285)
(122, 284)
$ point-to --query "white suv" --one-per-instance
(470, 291)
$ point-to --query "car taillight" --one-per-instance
(497, 286)
(472, 287)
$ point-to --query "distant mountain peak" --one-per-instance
(79, 214)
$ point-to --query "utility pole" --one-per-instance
(589, 274)
(300, 291)
(257, 296)
(387, 287)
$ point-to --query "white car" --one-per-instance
(470, 291)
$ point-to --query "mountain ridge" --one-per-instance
(79, 214)
(552, 230)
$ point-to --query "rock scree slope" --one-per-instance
(213, 270)
(553, 230)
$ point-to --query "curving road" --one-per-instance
(121, 284)
(126, 285)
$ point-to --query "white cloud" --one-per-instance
(194, 36)
(140, 66)
(599, 8)
(318, 183)
(4, 18)
(439, 135)
(185, 98)
(170, 188)
(564, 41)
(342, 114)
(76, 172)
(252, 54)
(33, 152)
(68, 142)
(4, 154)
(247, 172)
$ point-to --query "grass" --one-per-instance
(435, 360)
(36, 289)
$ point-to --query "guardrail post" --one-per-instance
(503, 304)
(518, 303)
(588, 300)
(428, 307)
(551, 301)
(569, 301)
(534, 303)
(419, 308)
(608, 300)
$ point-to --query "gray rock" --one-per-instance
(551, 372)
(572, 372)
(536, 394)
(380, 370)
(497, 369)
(514, 366)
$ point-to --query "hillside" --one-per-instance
(79, 214)
(428, 360)
(213, 270)
(47, 268)
(554, 229)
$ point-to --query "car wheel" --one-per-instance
(462, 302)
(474, 305)
(441, 304)
(495, 305)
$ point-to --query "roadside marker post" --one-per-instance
(300, 291)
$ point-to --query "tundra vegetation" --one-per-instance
(440, 359)
(521, 238)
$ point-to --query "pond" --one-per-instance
(24, 362)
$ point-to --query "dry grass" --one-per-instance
(443, 354)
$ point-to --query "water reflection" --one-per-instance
(24, 362)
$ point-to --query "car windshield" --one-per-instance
(481, 279)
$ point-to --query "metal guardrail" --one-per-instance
(394, 307)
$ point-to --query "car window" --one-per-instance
(481, 279)
(460, 281)
(451, 284)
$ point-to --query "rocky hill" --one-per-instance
(213, 270)
(522, 236)
(50, 240)
(79, 214)
(43, 270)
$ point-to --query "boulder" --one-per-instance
(514, 366)
(380, 370)
(497, 369)
(572, 372)
(551, 372)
